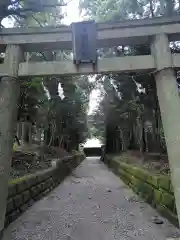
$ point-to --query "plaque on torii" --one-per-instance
(84, 43)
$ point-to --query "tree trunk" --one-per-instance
(19, 130)
(25, 133)
(157, 128)
(30, 133)
(47, 135)
(132, 139)
(151, 8)
(9, 93)
(38, 135)
(143, 141)
(17, 140)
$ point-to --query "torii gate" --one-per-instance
(156, 32)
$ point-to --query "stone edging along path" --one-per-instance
(23, 192)
(157, 190)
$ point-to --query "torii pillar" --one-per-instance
(169, 102)
(9, 93)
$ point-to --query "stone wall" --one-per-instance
(157, 190)
(23, 192)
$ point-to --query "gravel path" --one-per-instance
(91, 204)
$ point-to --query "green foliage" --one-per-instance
(29, 10)
(124, 110)
(106, 10)
(128, 115)
(32, 98)
(70, 114)
(63, 119)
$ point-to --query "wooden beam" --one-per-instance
(108, 34)
(106, 65)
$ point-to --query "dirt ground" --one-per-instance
(151, 161)
(30, 159)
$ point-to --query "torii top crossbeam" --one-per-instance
(108, 34)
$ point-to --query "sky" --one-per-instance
(92, 143)
(72, 12)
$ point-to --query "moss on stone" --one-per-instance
(168, 200)
(114, 164)
(124, 166)
(157, 190)
(131, 170)
(21, 179)
(124, 175)
(18, 200)
(164, 182)
(125, 180)
(26, 196)
(134, 188)
(121, 172)
(10, 205)
(140, 173)
(153, 180)
(12, 190)
(157, 196)
(136, 184)
(146, 191)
